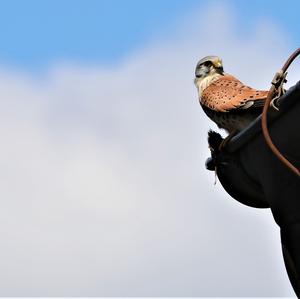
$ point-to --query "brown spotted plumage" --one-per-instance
(227, 101)
(228, 93)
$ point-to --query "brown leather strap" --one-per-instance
(275, 90)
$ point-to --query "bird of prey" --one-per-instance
(227, 101)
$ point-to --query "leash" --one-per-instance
(275, 92)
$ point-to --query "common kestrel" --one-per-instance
(227, 101)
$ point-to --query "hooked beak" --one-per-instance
(217, 63)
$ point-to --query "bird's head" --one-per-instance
(208, 66)
(208, 69)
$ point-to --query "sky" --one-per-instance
(103, 186)
(39, 33)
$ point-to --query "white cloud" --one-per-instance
(103, 186)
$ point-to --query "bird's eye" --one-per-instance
(207, 63)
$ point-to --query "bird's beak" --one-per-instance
(217, 63)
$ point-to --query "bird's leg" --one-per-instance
(227, 139)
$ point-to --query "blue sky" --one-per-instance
(37, 33)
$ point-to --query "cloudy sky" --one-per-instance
(103, 143)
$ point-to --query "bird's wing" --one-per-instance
(228, 93)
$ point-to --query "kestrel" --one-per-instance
(227, 101)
